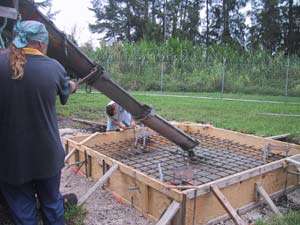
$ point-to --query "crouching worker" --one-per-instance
(31, 153)
(118, 118)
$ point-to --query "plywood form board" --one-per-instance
(227, 206)
(97, 170)
(239, 194)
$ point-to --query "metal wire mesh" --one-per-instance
(215, 158)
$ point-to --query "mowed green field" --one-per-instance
(239, 115)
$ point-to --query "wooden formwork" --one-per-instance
(198, 204)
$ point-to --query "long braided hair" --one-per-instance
(17, 61)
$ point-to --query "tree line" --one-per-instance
(272, 25)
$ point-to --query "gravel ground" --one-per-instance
(102, 206)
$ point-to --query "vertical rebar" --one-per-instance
(161, 175)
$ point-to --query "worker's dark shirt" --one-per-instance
(30, 146)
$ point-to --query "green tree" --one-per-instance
(110, 20)
(291, 26)
(126, 20)
(266, 25)
(273, 22)
(226, 22)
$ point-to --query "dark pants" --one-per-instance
(22, 201)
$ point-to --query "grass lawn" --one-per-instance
(228, 96)
(292, 218)
(235, 115)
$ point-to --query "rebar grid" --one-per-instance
(215, 158)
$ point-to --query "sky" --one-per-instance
(75, 13)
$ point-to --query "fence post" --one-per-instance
(162, 68)
(223, 76)
(287, 76)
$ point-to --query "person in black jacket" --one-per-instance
(31, 153)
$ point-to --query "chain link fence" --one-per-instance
(267, 76)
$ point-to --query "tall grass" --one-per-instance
(186, 67)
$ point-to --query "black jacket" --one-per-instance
(30, 145)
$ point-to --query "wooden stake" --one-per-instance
(261, 191)
(227, 206)
(169, 214)
(99, 183)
